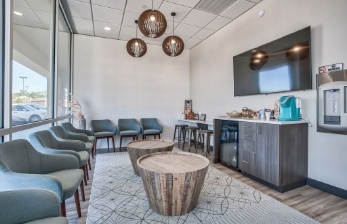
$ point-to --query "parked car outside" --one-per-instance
(28, 112)
(36, 106)
(16, 120)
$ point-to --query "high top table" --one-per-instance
(173, 180)
(139, 148)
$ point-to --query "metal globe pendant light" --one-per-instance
(152, 23)
(173, 45)
(136, 47)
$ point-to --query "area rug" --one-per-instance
(118, 197)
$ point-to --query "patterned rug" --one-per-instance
(118, 197)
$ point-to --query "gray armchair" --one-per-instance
(150, 126)
(59, 133)
(70, 129)
(46, 143)
(22, 167)
(128, 128)
(30, 206)
(103, 129)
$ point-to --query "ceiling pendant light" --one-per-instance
(152, 23)
(136, 47)
(173, 45)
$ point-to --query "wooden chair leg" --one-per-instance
(159, 136)
(114, 148)
(96, 140)
(87, 172)
(93, 148)
(85, 175)
(82, 191)
(108, 144)
(77, 201)
(90, 167)
(63, 209)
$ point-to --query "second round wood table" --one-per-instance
(173, 180)
(139, 148)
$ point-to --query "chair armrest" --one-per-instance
(159, 127)
(141, 129)
(15, 181)
(78, 136)
(86, 132)
(74, 145)
(62, 152)
(53, 163)
(21, 206)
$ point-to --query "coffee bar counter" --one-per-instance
(272, 152)
(271, 121)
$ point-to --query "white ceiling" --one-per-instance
(90, 17)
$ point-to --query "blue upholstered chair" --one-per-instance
(69, 128)
(150, 126)
(22, 167)
(103, 129)
(46, 143)
(30, 206)
(128, 128)
(60, 134)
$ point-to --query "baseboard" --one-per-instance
(327, 188)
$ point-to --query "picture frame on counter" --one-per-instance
(196, 117)
(202, 117)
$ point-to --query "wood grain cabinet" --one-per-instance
(274, 154)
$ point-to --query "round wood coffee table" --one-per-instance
(173, 180)
(139, 148)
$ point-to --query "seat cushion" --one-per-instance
(151, 131)
(88, 146)
(84, 157)
(128, 132)
(70, 180)
(54, 220)
(103, 134)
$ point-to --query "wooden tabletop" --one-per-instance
(150, 144)
(173, 162)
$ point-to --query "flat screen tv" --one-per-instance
(279, 66)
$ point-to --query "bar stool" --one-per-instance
(191, 133)
(206, 135)
(181, 133)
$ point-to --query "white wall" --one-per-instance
(211, 70)
(110, 84)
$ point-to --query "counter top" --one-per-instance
(196, 121)
(271, 121)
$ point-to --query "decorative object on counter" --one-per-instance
(276, 109)
(196, 117)
(202, 117)
(82, 123)
(267, 114)
(183, 116)
(247, 113)
(187, 107)
(190, 116)
(234, 113)
(289, 108)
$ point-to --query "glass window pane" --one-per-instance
(32, 61)
(64, 60)
(25, 134)
(2, 26)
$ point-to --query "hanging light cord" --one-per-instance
(136, 30)
(173, 25)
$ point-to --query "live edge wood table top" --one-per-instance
(139, 148)
(173, 180)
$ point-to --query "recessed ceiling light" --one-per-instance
(107, 28)
(18, 13)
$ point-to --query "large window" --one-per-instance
(37, 69)
(32, 76)
(64, 66)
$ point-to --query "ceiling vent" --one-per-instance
(213, 6)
